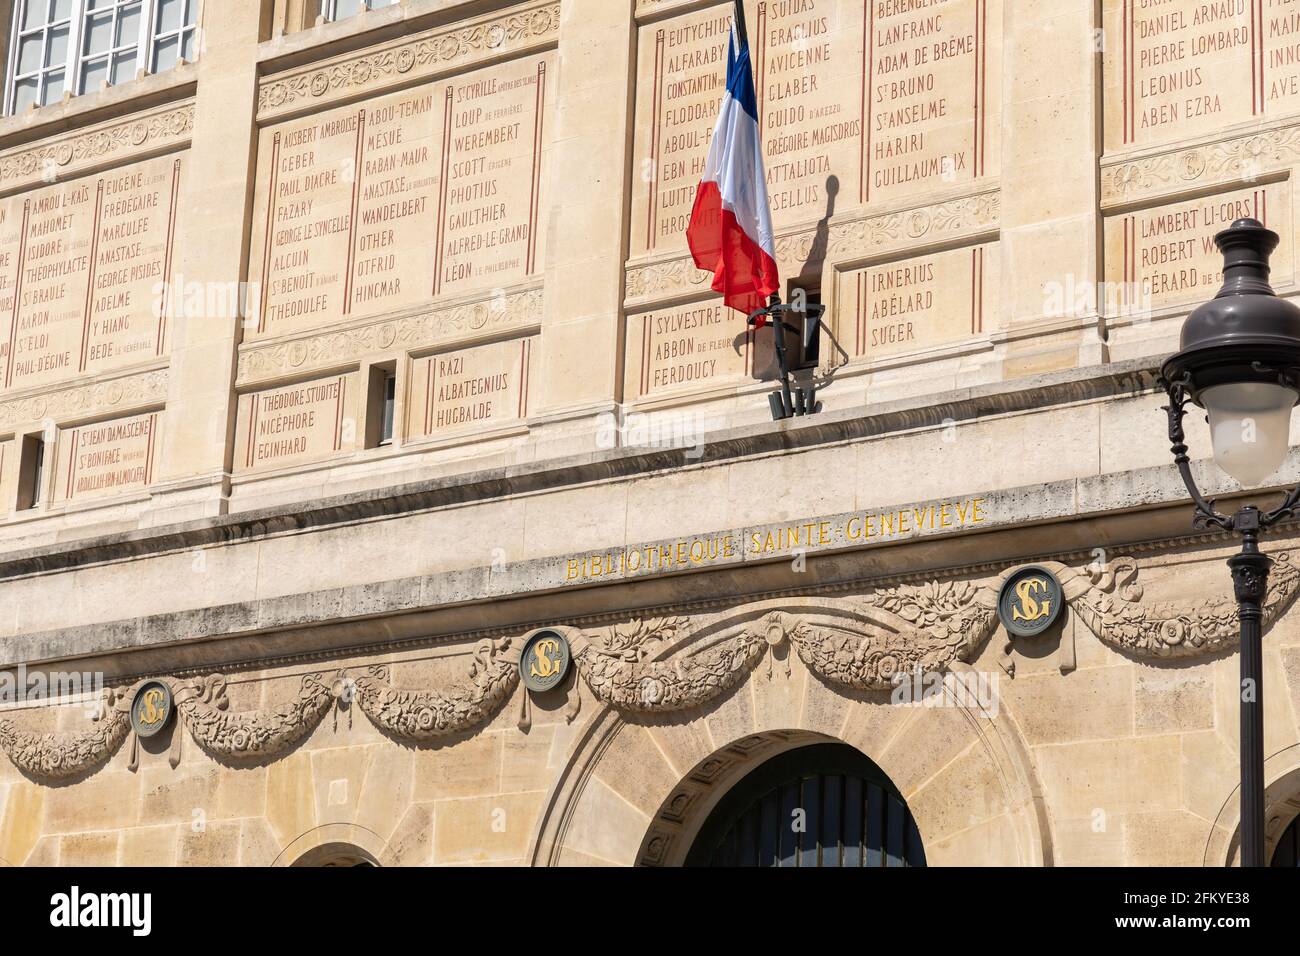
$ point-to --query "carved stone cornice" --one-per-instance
(509, 312)
(424, 55)
(1242, 160)
(61, 157)
(861, 237)
(656, 8)
(84, 401)
(651, 6)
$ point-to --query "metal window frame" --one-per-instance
(157, 34)
(81, 60)
(146, 44)
(329, 9)
(15, 37)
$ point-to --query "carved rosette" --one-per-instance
(57, 756)
(203, 704)
(424, 715)
(1172, 629)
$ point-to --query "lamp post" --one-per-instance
(1240, 361)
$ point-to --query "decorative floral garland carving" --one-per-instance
(1110, 606)
(927, 626)
(202, 704)
(863, 644)
(326, 349)
(856, 237)
(52, 159)
(424, 715)
(57, 756)
(957, 614)
(423, 55)
(1245, 159)
(941, 622)
(624, 680)
(131, 391)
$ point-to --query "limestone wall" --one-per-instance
(1007, 210)
(488, 201)
(1112, 739)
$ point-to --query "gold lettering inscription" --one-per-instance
(866, 527)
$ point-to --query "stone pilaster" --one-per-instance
(582, 327)
(1049, 203)
(194, 463)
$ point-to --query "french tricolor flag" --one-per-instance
(730, 233)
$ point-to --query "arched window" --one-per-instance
(336, 854)
(819, 805)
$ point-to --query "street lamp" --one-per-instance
(1240, 361)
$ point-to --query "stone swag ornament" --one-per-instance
(663, 665)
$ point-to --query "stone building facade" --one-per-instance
(350, 351)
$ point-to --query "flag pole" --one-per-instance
(773, 310)
(742, 34)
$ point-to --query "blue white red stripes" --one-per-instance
(730, 232)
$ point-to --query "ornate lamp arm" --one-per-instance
(1206, 515)
(1286, 509)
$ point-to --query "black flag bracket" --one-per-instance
(793, 400)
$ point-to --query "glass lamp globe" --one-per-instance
(1240, 358)
(1250, 425)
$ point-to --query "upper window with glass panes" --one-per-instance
(342, 9)
(80, 45)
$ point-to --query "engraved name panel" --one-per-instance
(475, 389)
(85, 267)
(295, 424)
(690, 348)
(106, 458)
(1177, 69)
(431, 192)
(918, 303)
(1165, 255)
(858, 101)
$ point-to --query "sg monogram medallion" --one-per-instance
(545, 661)
(1030, 601)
